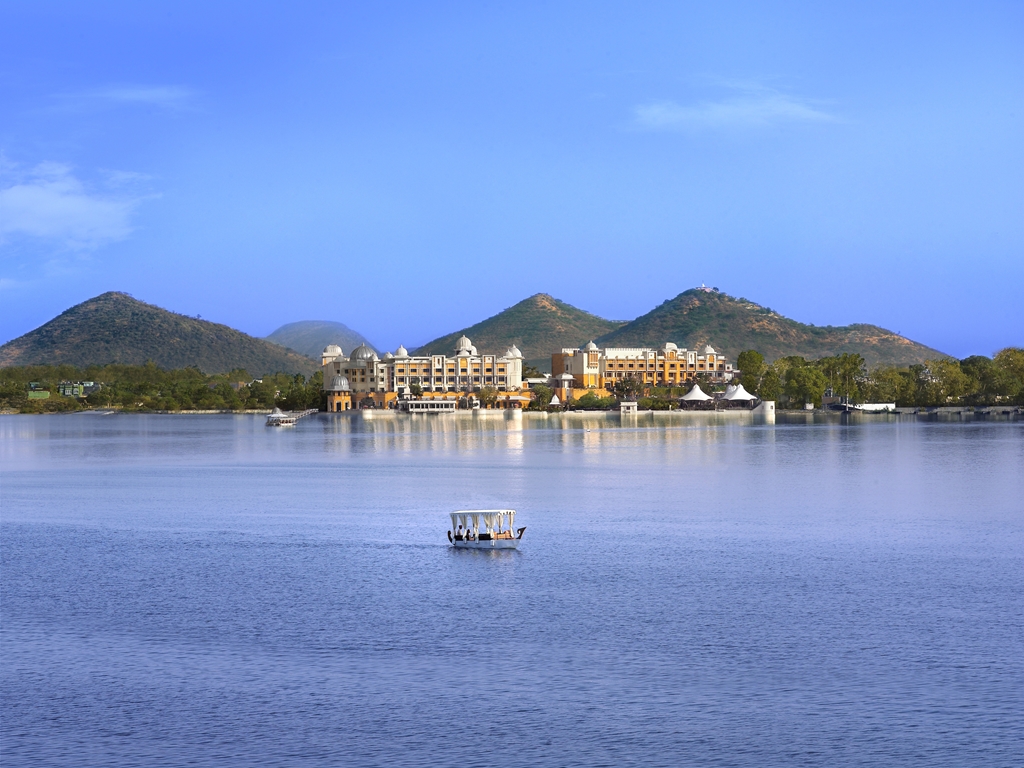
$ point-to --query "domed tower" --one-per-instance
(464, 347)
(331, 353)
(513, 366)
(339, 394)
(363, 353)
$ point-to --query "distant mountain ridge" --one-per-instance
(117, 328)
(309, 337)
(538, 325)
(697, 317)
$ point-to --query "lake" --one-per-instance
(692, 590)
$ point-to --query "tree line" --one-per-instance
(975, 380)
(151, 388)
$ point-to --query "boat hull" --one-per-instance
(492, 544)
(501, 543)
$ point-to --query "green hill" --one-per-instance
(116, 328)
(538, 325)
(309, 337)
(698, 317)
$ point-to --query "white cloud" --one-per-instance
(50, 203)
(754, 107)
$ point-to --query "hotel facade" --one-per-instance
(365, 380)
(577, 370)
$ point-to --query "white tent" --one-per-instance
(739, 393)
(555, 400)
(729, 389)
(696, 394)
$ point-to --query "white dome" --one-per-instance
(401, 351)
(332, 350)
(514, 353)
(339, 384)
(363, 352)
(388, 356)
(464, 347)
(670, 347)
(709, 350)
(591, 347)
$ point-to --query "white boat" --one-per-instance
(281, 419)
(485, 529)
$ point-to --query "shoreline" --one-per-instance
(504, 414)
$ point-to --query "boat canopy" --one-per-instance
(696, 394)
(739, 394)
(492, 519)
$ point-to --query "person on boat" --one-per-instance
(459, 534)
(470, 536)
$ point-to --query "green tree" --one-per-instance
(991, 381)
(752, 369)
(1012, 359)
(771, 385)
(844, 372)
(488, 397)
(531, 372)
(888, 384)
(541, 396)
(591, 401)
(262, 393)
(415, 390)
(806, 384)
(628, 388)
(946, 382)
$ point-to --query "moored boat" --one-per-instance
(485, 529)
(281, 419)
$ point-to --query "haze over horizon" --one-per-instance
(412, 170)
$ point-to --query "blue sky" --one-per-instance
(411, 168)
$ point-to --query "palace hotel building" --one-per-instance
(577, 370)
(363, 379)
